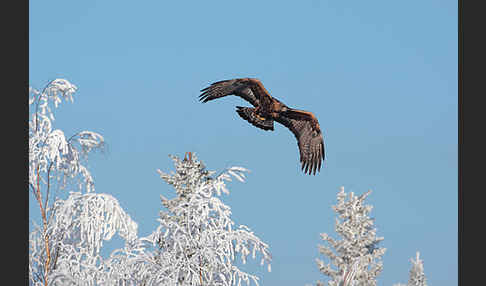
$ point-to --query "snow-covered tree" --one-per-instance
(76, 231)
(416, 275)
(64, 249)
(357, 255)
(196, 242)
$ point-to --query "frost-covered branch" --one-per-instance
(54, 156)
(76, 233)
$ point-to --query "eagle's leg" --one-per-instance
(257, 109)
(261, 117)
(257, 113)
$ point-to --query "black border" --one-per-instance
(23, 34)
(471, 219)
(15, 141)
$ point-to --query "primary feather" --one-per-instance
(310, 141)
(228, 87)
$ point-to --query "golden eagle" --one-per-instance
(303, 124)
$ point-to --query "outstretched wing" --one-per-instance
(306, 130)
(249, 89)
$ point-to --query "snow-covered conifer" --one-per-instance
(357, 255)
(197, 242)
(416, 274)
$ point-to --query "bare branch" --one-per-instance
(48, 185)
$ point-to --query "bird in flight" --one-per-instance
(266, 110)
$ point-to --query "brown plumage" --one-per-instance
(266, 110)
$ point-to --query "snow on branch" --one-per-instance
(51, 155)
(76, 231)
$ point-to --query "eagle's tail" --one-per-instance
(248, 113)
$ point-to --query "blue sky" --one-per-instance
(381, 77)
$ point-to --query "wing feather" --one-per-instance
(309, 140)
(249, 89)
